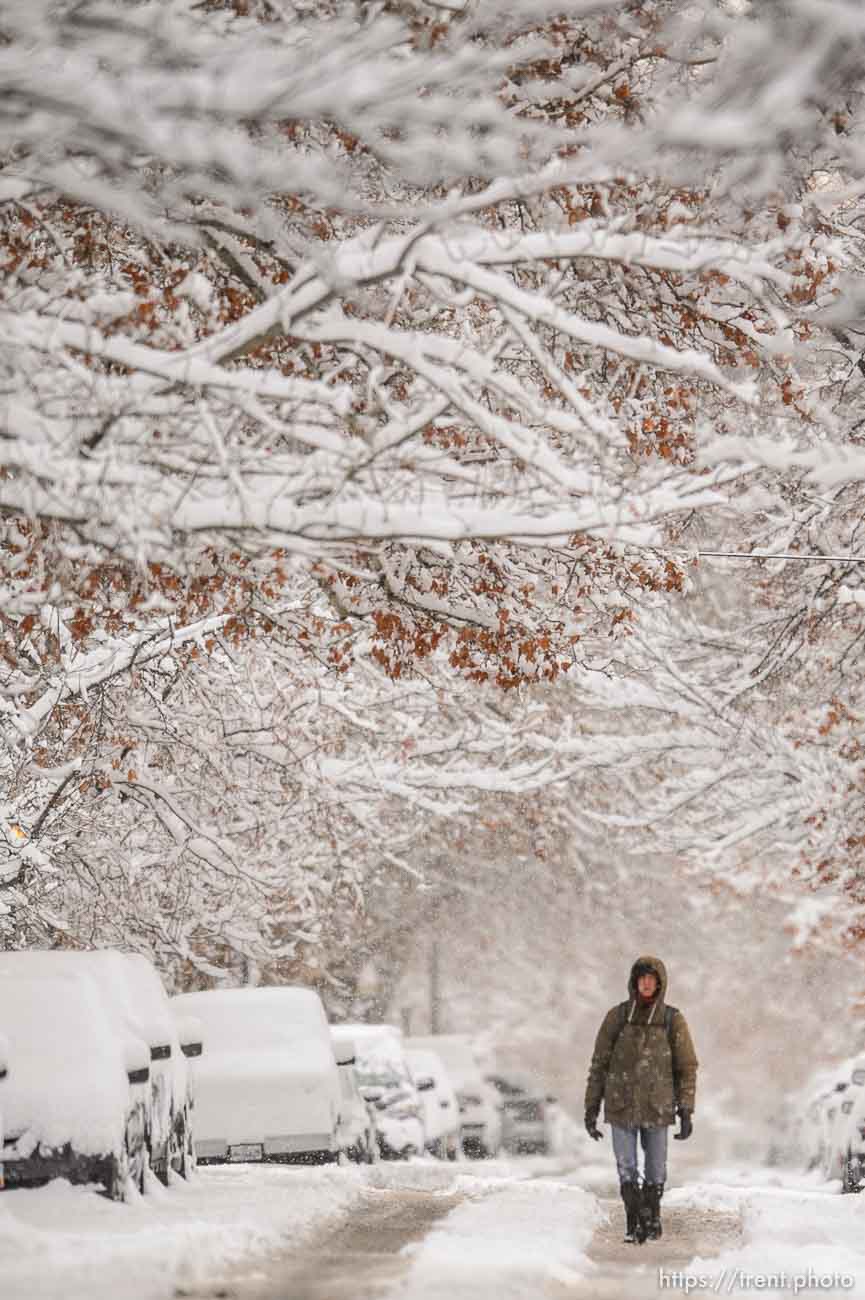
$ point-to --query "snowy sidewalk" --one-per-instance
(737, 1233)
(798, 1236)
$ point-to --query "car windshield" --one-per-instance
(373, 1077)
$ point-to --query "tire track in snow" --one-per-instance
(362, 1257)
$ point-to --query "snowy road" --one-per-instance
(505, 1230)
(360, 1257)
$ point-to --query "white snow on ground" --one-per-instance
(70, 1243)
(65, 1243)
(513, 1234)
(523, 1224)
(799, 1236)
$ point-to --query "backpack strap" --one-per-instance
(623, 1020)
(669, 1014)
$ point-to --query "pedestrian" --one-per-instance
(644, 1069)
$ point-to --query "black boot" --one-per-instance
(652, 1193)
(634, 1226)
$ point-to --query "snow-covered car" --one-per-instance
(840, 1125)
(75, 1102)
(4, 1070)
(479, 1103)
(358, 1136)
(385, 1080)
(847, 1079)
(133, 996)
(267, 1086)
(853, 1160)
(441, 1112)
(527, 1117)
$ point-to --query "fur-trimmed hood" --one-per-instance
(660, 970)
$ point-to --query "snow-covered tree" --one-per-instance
(360, 361)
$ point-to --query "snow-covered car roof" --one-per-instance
(360, 1031)
(380, 1058)
(457, 1051)
(376, 1045)
(255, 1018)
(107, 967)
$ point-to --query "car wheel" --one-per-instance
(182, 1150)
(117, 1177)
(138, 1163)
(321, 1157)
(850, 1176)
(127, 1167)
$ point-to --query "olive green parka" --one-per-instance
(640, 1073)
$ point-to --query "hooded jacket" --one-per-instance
(640, 1072)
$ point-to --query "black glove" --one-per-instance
(592, 1127)
(685, 1125)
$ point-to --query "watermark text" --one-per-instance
(730, 1281)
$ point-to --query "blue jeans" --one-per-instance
(654, 1144)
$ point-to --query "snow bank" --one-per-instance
(510, 1238)
(789, 1231)
(66, 1243)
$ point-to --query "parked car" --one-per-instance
(441, 1112)
(358, 1136)
(385, 1080)
(135, 1000)
(839, 1127)
(4, 1070)
(75, 1101)
(853, 1165)
(267, 1086)
(479, 1103)
(527, 1114)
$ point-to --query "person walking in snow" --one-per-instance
(644, 1069)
